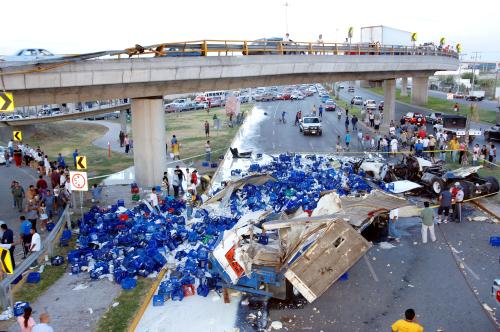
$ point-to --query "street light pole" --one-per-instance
(286, 16)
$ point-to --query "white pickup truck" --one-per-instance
(311, 125)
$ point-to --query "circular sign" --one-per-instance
(78, 181)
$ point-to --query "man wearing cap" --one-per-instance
(458, 200)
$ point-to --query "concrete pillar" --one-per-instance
(404, 87)
(389, 102)
(123, 121)
(148, 127)
(419, 90)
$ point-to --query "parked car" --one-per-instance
(350, 89)
(415, 118)
(492, 134)
(370, 103)
(216, 102)
(297, 96)
(330, 105)
(357, 100)
(311, 125)
(244, 99)
(201, 105)
(458, 95)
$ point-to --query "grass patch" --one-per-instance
(64, 137)
(445, 106)
(120, 317)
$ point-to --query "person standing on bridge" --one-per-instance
(18, 193)
(207, 129)
(75, 154)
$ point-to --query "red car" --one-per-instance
(415, 118)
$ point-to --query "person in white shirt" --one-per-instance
(153, 199)
(393, 218)
(394, 145)
(43, 326)
(36, 241)
(62, 180)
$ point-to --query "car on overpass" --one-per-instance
(265, 46)
(493, 133)
(330, 105)
(357, 100)
(311, 125)
(415, 118)
(30, 54)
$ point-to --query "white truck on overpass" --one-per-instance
(385, 36)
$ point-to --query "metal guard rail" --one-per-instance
(241, 47)
(6, 296)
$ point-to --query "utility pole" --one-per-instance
(286, 16)
(471, 93)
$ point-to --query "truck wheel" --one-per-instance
(468, 189)
(437, 185)
(320, 133)
(494, 184)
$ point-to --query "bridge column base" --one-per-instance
(419, 90)
(404, 87)
(148, 126)
(389, 102)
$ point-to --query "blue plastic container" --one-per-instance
(158, 300)
(33, 278)
(19, 308)
(495, 241)
(128, 283)
(344, 277)
(121, 203)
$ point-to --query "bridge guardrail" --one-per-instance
(266, 46)
(6, 296)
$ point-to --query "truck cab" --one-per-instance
(311, 125)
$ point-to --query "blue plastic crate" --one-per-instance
(19, 308)
(158, 300)
(344, 277)
(205, 164)
(495, 241)
(128, 283)
(33, 278)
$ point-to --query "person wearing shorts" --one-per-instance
(444, 206)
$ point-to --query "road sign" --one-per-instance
(6, 261)
(18, 136)
(414, 37)
(6, 102)
(78, 181)
(81, 163)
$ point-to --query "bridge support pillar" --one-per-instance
(389, 102)
(404, 87)
(123, 121)
(148, 126)
(419, 90)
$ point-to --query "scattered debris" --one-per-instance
(91, 311)
(81, 287)
(386, 245)
(115, 304)
(480, 218)
(276, 325)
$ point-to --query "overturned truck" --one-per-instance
(268, 252)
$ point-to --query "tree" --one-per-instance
(468, 76)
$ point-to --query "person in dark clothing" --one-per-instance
(354, 122)
(180, 175)
(445, 200)
(41, 184)
(8, 238)
(25, 234)
(346, 123)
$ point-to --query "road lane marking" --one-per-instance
(370, 267)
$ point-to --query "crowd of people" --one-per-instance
(41, 203)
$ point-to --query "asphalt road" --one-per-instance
(388, 281)
(403, 108)
(485, 104)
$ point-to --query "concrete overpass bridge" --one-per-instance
(164, 69)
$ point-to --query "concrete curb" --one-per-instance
(484, 208)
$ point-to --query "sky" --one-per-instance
(69, 27)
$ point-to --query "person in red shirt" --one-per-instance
(194, 177)
(41, 184)
(422, 133)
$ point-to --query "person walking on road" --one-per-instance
(297, 118)
(165, 183)
(18, 193)
(8, 238)
(176, 183)
(25, 234)
(347, 140)
(43, 326)
(409, 324)
(457, 201)
(346, 123)
(176, 151)
(354, 122)
(17, 154)
(283, 114)
(320, 109)
(208, 151)
(427, 215)
(181, 177)
(492, 155)
(26, 322)
(153, 200)
(207, 129)
(444, 206)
